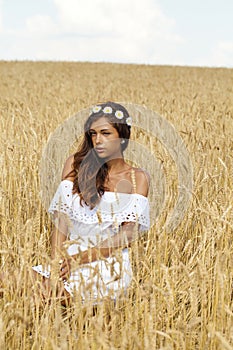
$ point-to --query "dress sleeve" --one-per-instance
(142, 210)
(127, 208)
(136, 213)
(62, 200)
(60, 208)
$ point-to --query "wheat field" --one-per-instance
(181, 294)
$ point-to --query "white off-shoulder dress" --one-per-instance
(87, 228)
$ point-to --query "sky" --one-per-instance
(157, 32)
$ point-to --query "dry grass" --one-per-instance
(181, 296)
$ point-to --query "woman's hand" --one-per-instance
(65, 268)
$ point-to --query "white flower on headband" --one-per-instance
(119, 114)
(129, 121)
(96, 109)
(107, 110)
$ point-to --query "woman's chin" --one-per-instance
(101, 155)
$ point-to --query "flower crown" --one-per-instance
(108, 110)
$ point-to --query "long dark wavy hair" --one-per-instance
(90, 171)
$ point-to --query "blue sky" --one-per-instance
(173, 32)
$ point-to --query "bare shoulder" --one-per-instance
(68, 168)
(142, 178)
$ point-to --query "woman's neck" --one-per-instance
(116, 165)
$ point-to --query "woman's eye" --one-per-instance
(106, 133)
(92, 133)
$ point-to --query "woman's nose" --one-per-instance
(98, 138)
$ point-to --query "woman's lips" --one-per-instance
(99, 149)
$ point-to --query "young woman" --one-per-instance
(100, 206)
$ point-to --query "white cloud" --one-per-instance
(219, 55)
(100, 30)
(41, 25)
(223, 54)
(96, 17)
(124, 30)
(85, 17)
(1, 26)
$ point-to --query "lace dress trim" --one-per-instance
(113, 207)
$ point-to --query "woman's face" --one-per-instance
(105, 139)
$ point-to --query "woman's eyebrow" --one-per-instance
(101, 129)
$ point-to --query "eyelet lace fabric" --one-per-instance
(113, 207)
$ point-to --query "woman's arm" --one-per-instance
(127, 233)
(68, 169)
(60, 228)
(58, 237)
